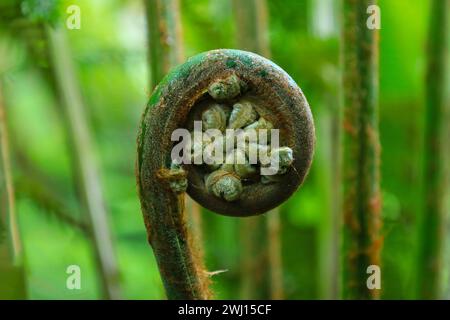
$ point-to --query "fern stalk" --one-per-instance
(48, 45)
(89, 184)
(165, 50)
(164, 32)
(12, 276)
(435, 175)
(165, 42)
(361, 151)
(261, 234)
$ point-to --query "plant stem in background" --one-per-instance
(433, 219)
(329, 228)
(252, 31)
(166, 50)
(88, 180)
(331, 289)
(36, 185)
(274, 255)
(165, 42)
(36, 38)
(323, 25)
(12, 276)
(260, 235)
(361, 150)
(31, 182)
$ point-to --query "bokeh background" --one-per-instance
(109, 55)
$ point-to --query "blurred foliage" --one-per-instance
(110, 54)
(41, 10)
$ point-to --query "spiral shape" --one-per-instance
(239, 80)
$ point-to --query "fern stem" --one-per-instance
(181, 269)
(89, 181)
(165, 42)
(166, 50)
(12, 276)
(274, 254)
(252, 35)
(433, 220)
(361, 191)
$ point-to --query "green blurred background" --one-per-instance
(110, 56)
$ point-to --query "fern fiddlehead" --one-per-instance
(218, 76)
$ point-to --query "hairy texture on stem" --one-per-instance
(182, 272)
(168, 109)
(361, 191)
(433, 221)
(165, 44)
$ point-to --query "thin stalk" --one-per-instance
(194, 210)
(324, 26)
(274, 253)
(433, 220)
(254, 258)
(330, 263)
(252, 35)
(87, 174)
(165, 39)
(35, 36)
(165, 50)
(38, 186)
(51, 200)
(252, 26)
(361, 150)
(12, 277)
